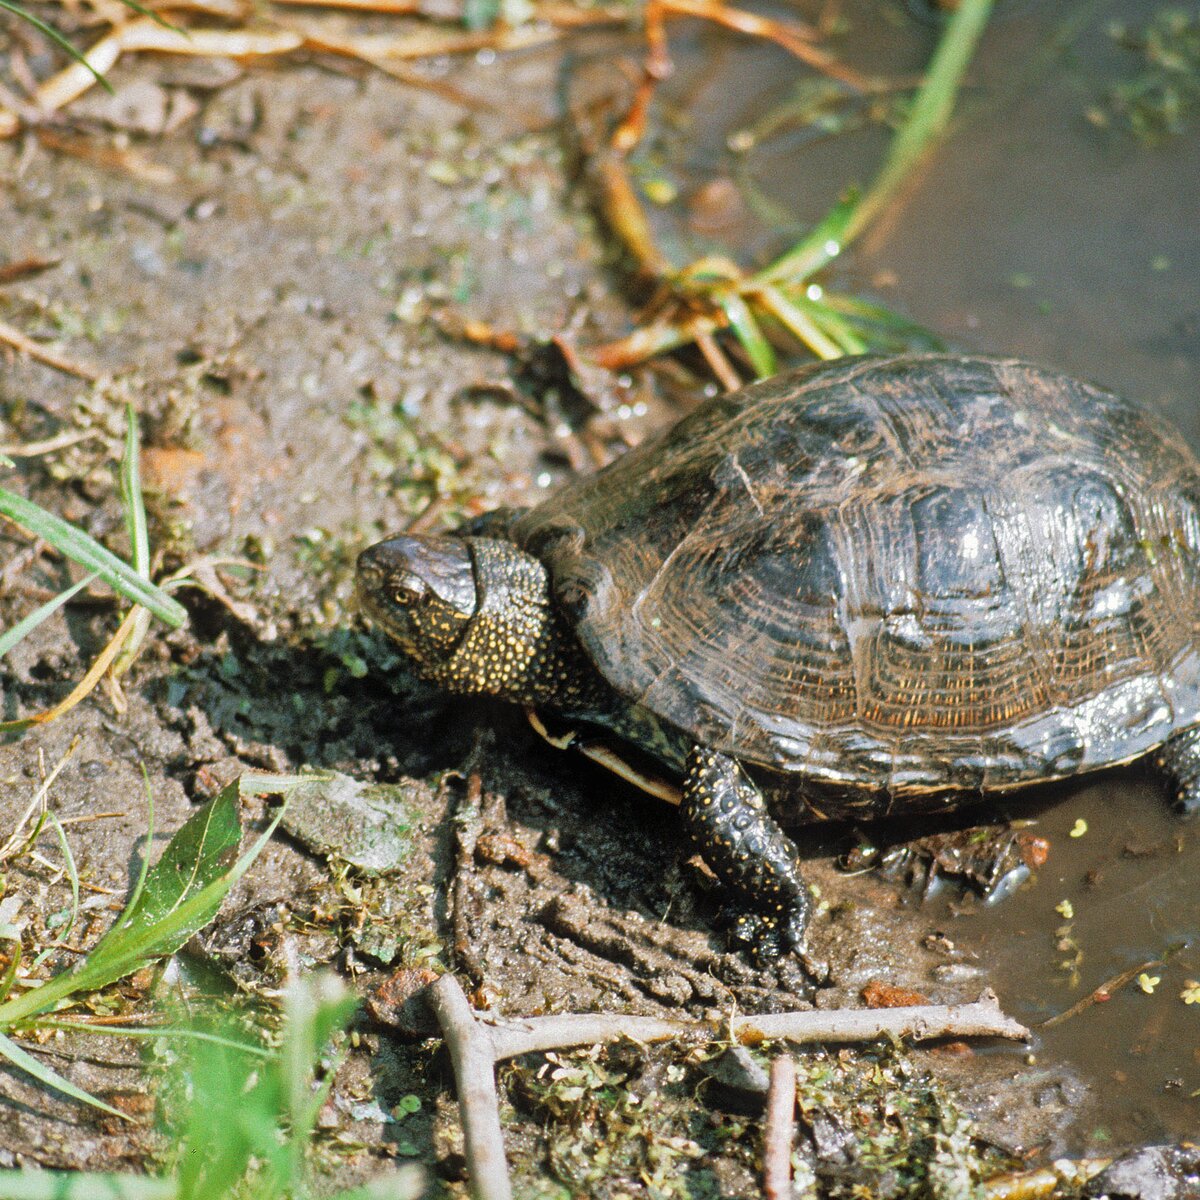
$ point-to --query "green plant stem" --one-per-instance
(926, 121)
(930, 112)
(27, 625)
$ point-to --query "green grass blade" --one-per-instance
(131, 495)
(82, 1185)
(832, 323)
(135, 897)
(10, 933)
(882, 324)
(823, 243)
(56, 37)
(51, 1078)
(150, 1032)
(28, 624)
(73, 875)
(801, 324)
(743, 323)
(86, 551)
(930, 112)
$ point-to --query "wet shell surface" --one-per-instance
(906, 574)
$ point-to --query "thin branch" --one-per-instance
(471, 1053)
(922, 1022)
(33, 449)
(1101, 993)
(26, 345)
(919, 1022)
(779, 1124)
(476, 1046)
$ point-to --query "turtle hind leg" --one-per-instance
(1179, 759)
(726, 817)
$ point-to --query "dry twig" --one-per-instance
(23, 268)
(476, 1045)
(778, 1127)
(470, 1047)
(49, 445)
(922, 1022)
(26, 345)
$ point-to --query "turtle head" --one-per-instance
(422, 591)
(475, 614)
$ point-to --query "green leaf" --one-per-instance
(51, 1078)
(25, 626)
(930, 112)
(179, 897)
(927, 119)
(801, 322)
(10, 933)
(742, 322)
(216, 1154)
(881, 325)
(86, 551)
(199, 856)
(823, 243)
(278, 1102)
(73, 876)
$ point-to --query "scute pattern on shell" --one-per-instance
(913, 573)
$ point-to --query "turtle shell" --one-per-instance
(914, 573)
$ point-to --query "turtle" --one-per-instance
(879, 586)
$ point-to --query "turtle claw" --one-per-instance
(768, 937)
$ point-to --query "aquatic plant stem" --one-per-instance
(930, 113)
(927, 120)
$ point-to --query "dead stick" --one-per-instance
(19, 341)
(922, 1022)
(470, 1047)
(778, 1127)
(475, 1048)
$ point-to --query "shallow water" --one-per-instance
(1031, 232)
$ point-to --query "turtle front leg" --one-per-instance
(1179, 760)
(726, 817)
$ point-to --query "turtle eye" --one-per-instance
(406, 597)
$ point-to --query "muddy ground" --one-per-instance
(267, 300)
